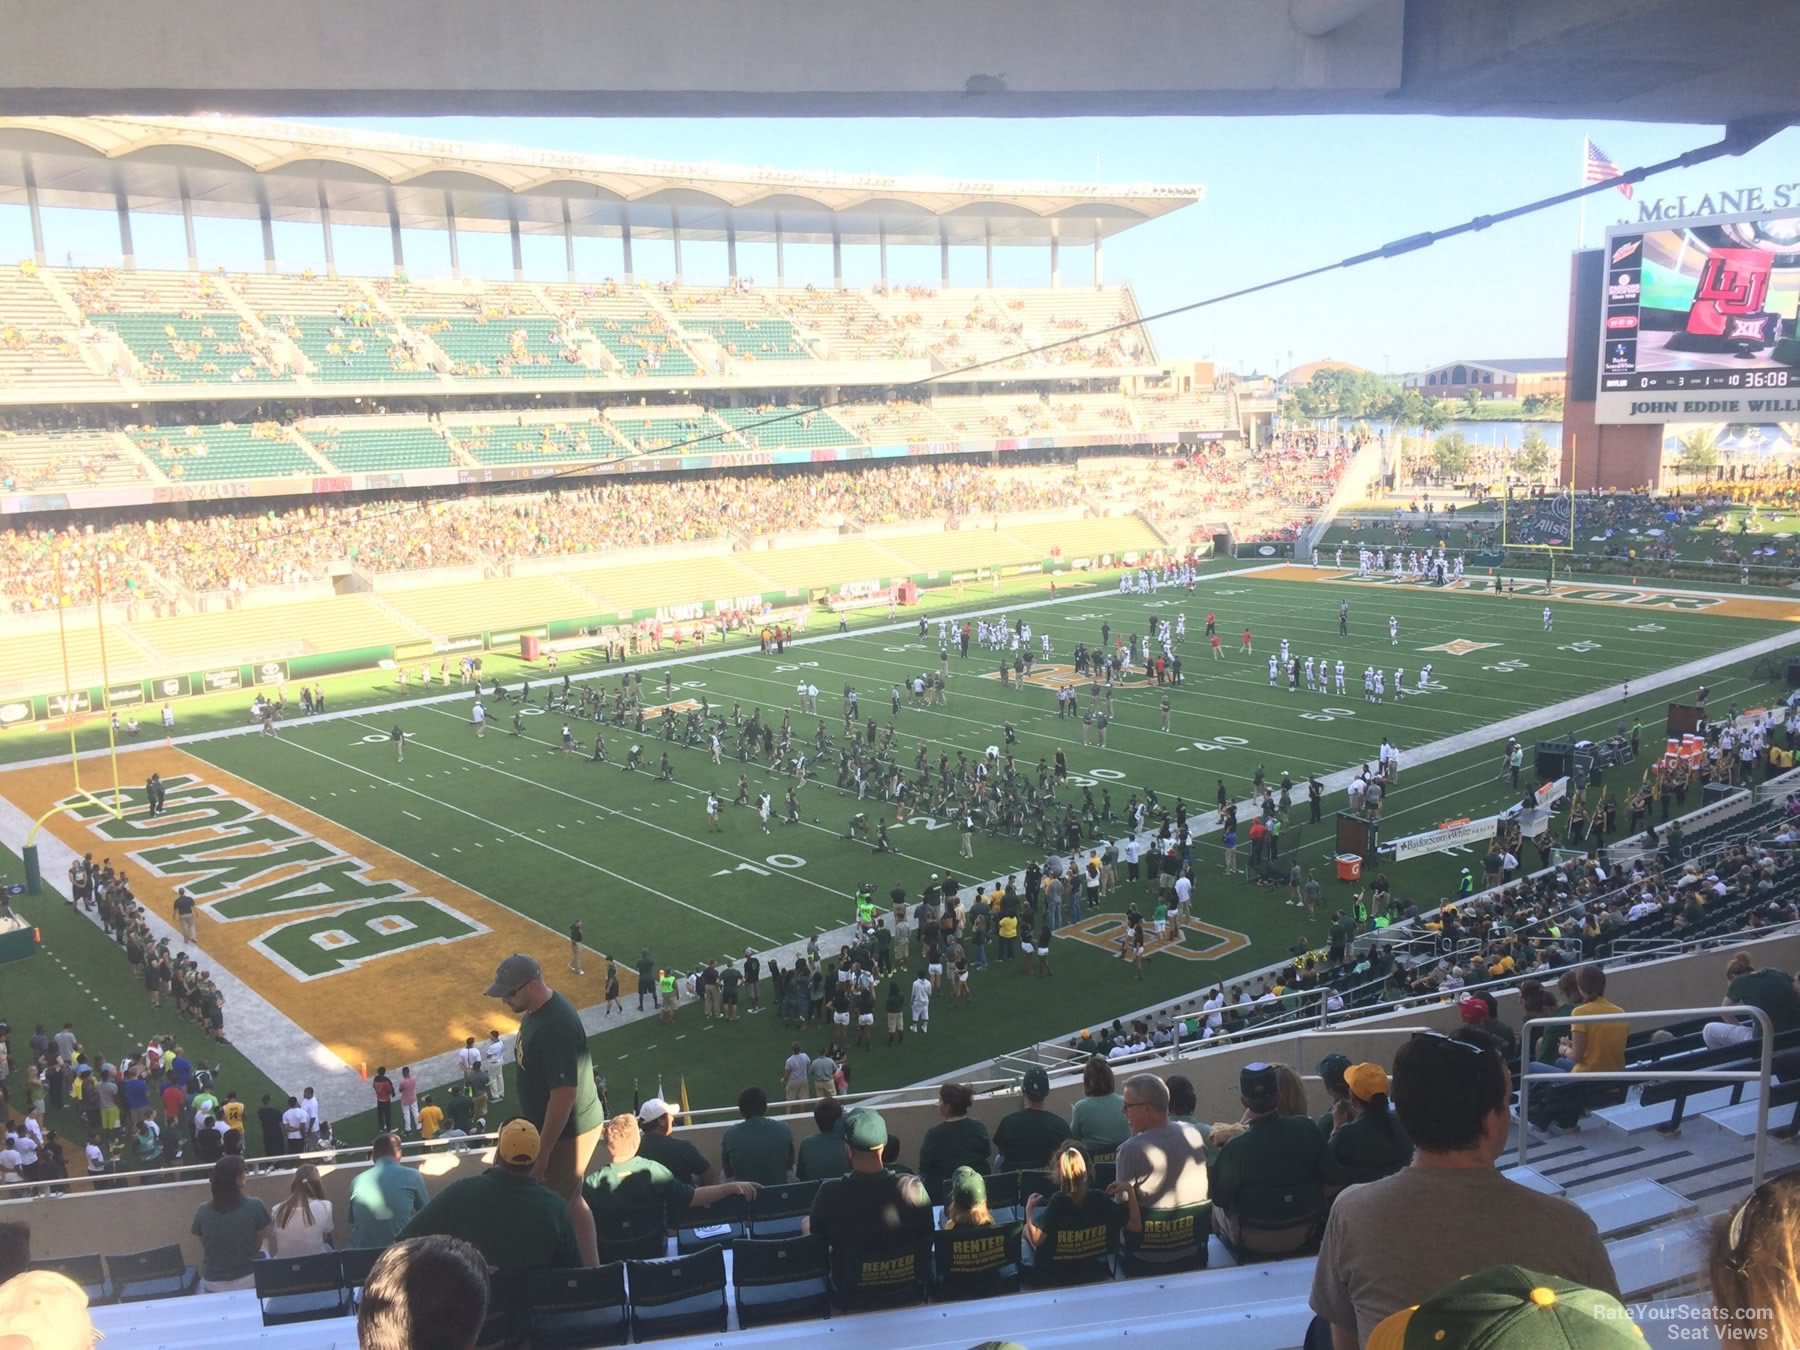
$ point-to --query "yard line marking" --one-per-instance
(584, 862)
(405, 812)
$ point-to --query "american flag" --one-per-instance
(1599, 168)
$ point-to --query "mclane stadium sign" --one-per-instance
(1778, 197)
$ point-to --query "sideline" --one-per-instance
(460, 694)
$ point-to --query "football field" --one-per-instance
(359, 900)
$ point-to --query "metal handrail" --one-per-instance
(1675, 946)
(411, 1150)
(1763, 1074)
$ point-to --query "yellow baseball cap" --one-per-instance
(519, 1142)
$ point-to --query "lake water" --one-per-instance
(1495, 433)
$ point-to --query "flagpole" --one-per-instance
(1581, 205)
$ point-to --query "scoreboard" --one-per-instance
(1698, 320)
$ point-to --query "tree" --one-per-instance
(1534, 455)
(1435, 415)
(1472, 398)
(1699, 450)
(1450, 453)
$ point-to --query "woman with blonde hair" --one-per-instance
(302, 1221)
(1075, 1206)
(1755, 1266)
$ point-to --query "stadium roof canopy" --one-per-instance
(229, 167)
(1701, 61)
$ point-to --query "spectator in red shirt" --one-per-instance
(1259, 833)
(173, 1099)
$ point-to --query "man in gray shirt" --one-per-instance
(1392, 1243)
(1166, 1158)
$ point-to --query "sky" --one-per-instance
(1282, 194)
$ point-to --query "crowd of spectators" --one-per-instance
(226, 547)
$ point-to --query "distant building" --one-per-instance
(1303, 374)
(1534, 376)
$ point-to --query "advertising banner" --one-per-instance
(1463, 835)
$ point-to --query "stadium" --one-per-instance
(747, 668)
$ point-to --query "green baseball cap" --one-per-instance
(1510, 1308)
(968, 1186)
(865, 1130)
(1035, 1084)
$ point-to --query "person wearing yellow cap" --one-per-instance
(1511, 1308)
(515, 1221)
(41, 1308)
(1367, 1139)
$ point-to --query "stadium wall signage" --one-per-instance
(1462, 835)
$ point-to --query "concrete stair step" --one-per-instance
(1631, 1118)
(1740, 1120)
(1633, 1206)
(1661, 1261)
(1533, 1179)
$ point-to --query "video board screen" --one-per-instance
(1699, 320)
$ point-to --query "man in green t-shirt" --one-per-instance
(1025, 1139)
(756, 1148)
(822, 1155)
(630, 1185)
(1772, 990)
(556, 1087)
(517, 1223)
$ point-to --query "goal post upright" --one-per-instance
(81, 794)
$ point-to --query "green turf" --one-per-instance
(742, 888)
(216, 712)
(79, 975)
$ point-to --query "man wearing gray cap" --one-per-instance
(556, 1087)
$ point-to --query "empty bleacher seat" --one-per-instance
(776, 1211)
(222, 450)
(577, 1308)
(301, 1288)
(780, 1279)
(87, 1271)
(160, 1272)
(676, 1295)
(718, 1225)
